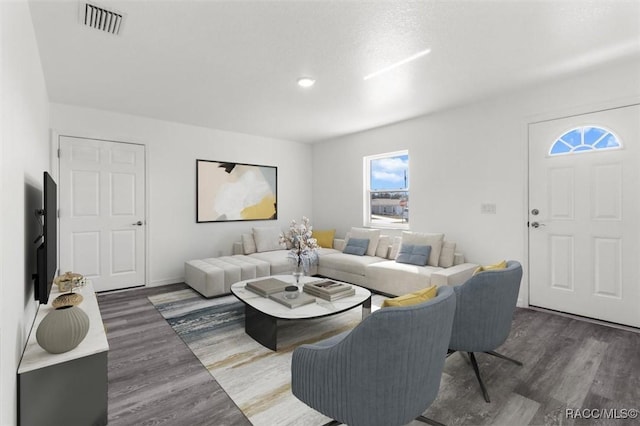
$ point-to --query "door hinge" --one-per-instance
(58, 152)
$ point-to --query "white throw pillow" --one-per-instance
(373, 235)
(395, 247)
(383, 246)
(426, 239)
(447, 254)
(248, 244)
(267, 239)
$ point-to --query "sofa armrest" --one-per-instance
(339, 244)
(454, 275)
(238, 248)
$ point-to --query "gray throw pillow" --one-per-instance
(414, 254)
(357, 246)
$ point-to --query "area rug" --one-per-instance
(257, 379)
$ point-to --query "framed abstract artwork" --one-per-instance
(235, 191)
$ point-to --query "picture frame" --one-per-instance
(229, 191)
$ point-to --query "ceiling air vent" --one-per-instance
(101, 18)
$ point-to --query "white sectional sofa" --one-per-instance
(377, 269)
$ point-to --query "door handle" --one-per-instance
(138, 223)
(537, 224)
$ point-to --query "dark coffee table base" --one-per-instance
(263, 328)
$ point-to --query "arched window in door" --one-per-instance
(585, 139)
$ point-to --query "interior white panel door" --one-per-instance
(102, 216)
(584, 215)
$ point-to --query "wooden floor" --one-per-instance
(154, 379)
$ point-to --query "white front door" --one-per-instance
(584, 215)
(102, 211)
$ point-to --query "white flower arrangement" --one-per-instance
(303, 247)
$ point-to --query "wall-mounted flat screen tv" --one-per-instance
(47, 252)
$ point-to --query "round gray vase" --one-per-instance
(62, 329)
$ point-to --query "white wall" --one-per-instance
(24, 155)
(462, 158)
(172, 148)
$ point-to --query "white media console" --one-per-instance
(68, 388)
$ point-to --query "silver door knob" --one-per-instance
(138, 223)
(536, 224)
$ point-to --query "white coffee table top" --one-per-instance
(313, 310)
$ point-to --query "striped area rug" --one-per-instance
(257, 379)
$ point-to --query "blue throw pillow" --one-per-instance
(357, 246)
(413, 254)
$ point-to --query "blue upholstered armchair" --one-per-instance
(386, 371)
(484, 311)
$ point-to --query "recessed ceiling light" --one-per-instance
(306, 82)
(397, 64)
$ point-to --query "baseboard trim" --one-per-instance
(586, 319)
(158, 283)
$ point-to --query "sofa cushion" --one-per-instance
(348, 263)
(395, 246)
(426, 239)
(412, 298)
(279, 260)
(248, 244)
(384, 244)
(324, 251)
(396, 278)
(324, 238)
(414, 254)
(447, 254)
(267, 239)
(373, 235)
(357, 246)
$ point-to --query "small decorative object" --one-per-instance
(291, 292)
(67, 299)
(68, 281)
(304, 248)
(62, 329)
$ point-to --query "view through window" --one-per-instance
(585, 139)
(387, 190)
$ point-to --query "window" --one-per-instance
(387, 190)
(585, 139)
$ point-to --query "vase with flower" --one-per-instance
(303, 248)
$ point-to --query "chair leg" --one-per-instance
(427, 420)
(474, 363)
(332, 423)
(496, 354)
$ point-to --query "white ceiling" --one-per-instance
(233, 65)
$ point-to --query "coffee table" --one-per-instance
(261, 314)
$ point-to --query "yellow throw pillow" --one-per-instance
(325, 238)
(499, 265)
(412, 298)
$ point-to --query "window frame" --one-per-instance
(366, 220)
(578, 149)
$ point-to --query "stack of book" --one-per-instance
(266, 286)
(301, 300)
(329, 290)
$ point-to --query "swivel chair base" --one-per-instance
(474, 364)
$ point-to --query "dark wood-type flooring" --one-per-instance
(154, 379)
